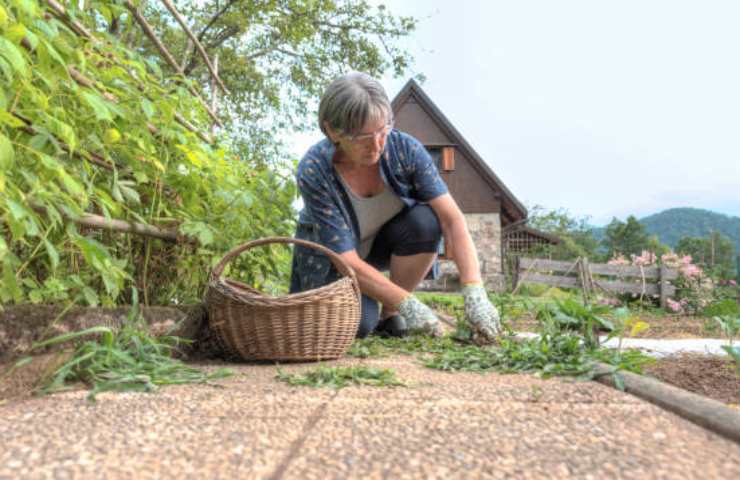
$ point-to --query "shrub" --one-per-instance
(727, 306)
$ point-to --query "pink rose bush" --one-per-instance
(693, 288)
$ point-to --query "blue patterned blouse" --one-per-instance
(328, 217)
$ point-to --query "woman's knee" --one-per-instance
(422, 224)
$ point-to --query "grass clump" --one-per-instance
(127, 359)
(340, 377)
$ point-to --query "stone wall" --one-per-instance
(485, 229)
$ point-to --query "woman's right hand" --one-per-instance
(419, 318)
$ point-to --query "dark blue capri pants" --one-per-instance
(415, 230)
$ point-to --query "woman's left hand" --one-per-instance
(480, 313)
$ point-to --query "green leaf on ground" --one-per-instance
(340, 377)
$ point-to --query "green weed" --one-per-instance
(129, 359)
(546, 355)
(340, 377)
(572, 315)
(727, 306)
(450, 303)
(730, 326)
(382, 347)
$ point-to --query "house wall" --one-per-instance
(485, 230)
(471, 192)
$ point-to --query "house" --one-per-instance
(488, 205)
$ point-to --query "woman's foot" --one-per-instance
(393, 326)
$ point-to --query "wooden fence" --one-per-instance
(653, 281)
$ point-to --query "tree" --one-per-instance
(715, 253)
(626, 238)
(577, 239)
(654, 245)
(275, 56)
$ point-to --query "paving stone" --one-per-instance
(442, 425)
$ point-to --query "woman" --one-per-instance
(373, 195)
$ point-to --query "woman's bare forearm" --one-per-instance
(463, 250)
(373, 283)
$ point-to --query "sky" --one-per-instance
(604, 108)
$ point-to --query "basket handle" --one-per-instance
(338, 261)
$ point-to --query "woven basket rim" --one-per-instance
(297, 298)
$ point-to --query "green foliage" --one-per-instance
(546, 355)
(129, 359)
(340, 377)
(730, 326)
(715, 253)
(276, 57)
(577, 238)
(446, 301)
(625, 238)
(561, 349)
(625, 324)
(572, 315)
(734, 353)
(727, 306)
(374, 346)
(56, 132)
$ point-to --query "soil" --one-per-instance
(708, 375)
(661, 326)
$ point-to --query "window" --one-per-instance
(443, 157)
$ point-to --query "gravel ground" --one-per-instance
(441, 426)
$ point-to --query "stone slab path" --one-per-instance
(444, 425)
(661, 347)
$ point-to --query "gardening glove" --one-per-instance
(419, 318)
(480, 313)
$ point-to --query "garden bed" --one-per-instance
(708, 375)
(661, 326)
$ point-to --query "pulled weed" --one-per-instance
(566, 347)
(383, 347)
(340, 377)
(129, 359)
(546, 355)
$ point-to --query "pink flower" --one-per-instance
(674, 306)
(646, 258)
(691, 271)
(670, 260)
(618, 260)
(733, 283)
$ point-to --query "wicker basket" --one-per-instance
(318, 324)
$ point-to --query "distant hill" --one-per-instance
(673, 224)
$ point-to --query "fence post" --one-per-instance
(515, 274)
(663, 283)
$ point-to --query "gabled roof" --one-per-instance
(513, 207)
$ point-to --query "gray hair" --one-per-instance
(351, 101)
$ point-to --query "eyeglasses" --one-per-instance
(368, 138)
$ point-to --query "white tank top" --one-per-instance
(372, 213)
